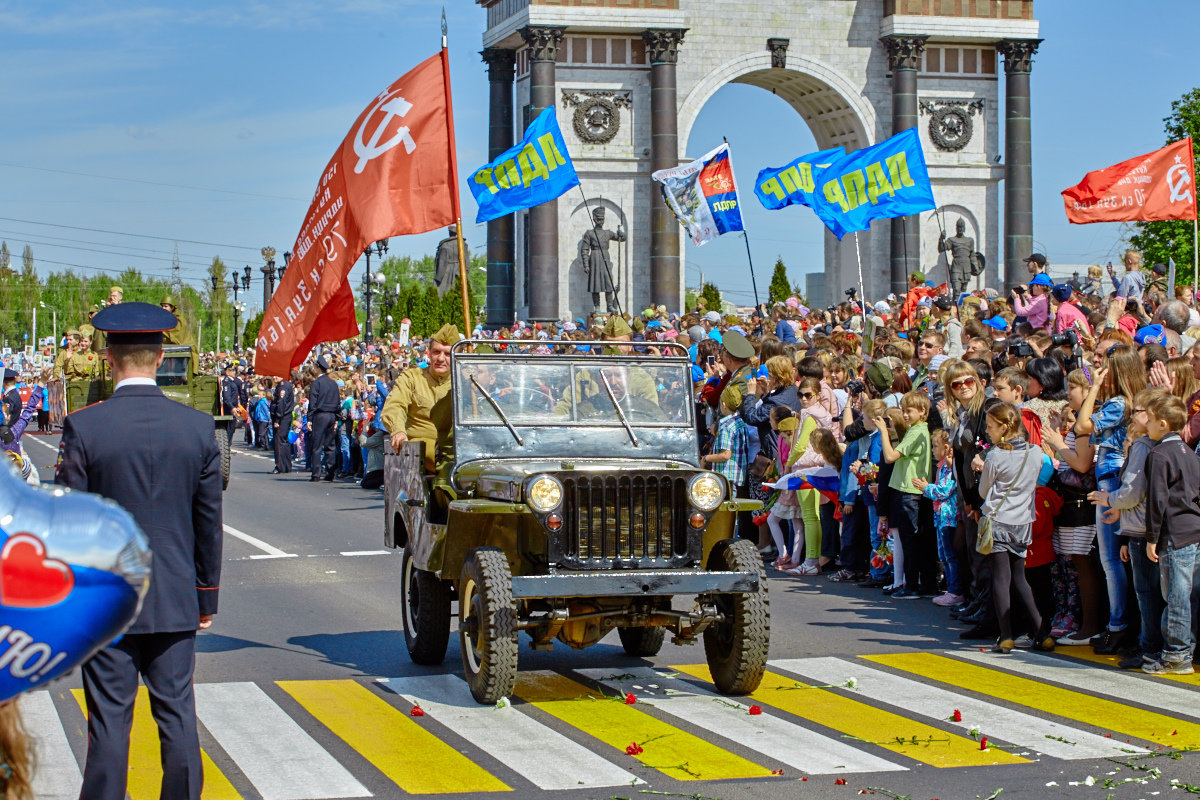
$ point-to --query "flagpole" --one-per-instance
(753, 283)
(1195, 253)
(603, 252)
(458, 227)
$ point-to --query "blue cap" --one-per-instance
(1041, 279)
(1151, 333)
(1062, 292)
(134, 323)
(997, 322)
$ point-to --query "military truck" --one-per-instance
(573, 504)
(178, 380)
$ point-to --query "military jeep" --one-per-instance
(573, 503)
(177, 379)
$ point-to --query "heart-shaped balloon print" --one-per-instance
(28, 579)
(73, 572)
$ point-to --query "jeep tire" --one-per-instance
(487, 628)
(736, 649)
(222, 434)
(642, 642)
(426, 611)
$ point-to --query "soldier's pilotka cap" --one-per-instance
(134, 323)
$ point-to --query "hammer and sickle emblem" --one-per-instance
(394, 107)
(1177, 181)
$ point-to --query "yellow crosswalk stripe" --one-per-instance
(145, 759)
(1101, 713)
(1090, 655)
(673, 751)
(394, 742)
(861, 721)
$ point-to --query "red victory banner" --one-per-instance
(394, 174)
(1156, 186)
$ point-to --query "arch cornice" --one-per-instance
(732, 70)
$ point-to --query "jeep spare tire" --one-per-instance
(426, 611)
(736, 648)
(487, 628)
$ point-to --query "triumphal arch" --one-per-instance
(628, 78)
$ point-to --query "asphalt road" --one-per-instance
(306, 691)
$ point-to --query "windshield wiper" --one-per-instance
(620, 413)
(496, 407)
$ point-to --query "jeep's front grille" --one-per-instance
(636, 520)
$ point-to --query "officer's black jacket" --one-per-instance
(158, 459)
(323, 395)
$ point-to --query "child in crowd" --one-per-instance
(785, 509)
(813, 416)
(730, 452)
(911, 458)
(1008, 484)
(1114, 388)
(1011, 385)
(825, 446)
(1173, 529)
(887, 502)
(944, 494)
(858, 519)
(1128, 503)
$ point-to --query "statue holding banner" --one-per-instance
(602, 276)
(963, 259)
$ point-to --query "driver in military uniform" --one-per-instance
(418, 407)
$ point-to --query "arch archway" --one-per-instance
(837, 114)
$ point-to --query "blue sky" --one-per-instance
(210, 124)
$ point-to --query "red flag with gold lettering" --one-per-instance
(1156, 186)
(394, 174)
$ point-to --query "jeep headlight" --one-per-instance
(705, 492)
(545, 493)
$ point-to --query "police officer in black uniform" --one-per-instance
(230, 396)
(243, 382)
(283, 403)
(324, 399)
(157, 459)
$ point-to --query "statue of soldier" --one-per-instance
(963, 263)
(597, 264)
(445, 263)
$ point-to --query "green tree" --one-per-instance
(1160, 241)
(780, 289)
(250, 332)
(712, 297)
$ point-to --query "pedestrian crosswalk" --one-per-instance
(599, 728)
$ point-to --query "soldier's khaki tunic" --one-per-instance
(81, 365)
(99, 341)
(60, 361)
(419, 405)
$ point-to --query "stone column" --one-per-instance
(1018, 158)
(904, 59)
(501, 238)
(543, 43)
(662, 49)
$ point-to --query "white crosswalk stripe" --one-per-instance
(514, 739)
(923, 700)
(276, 755)
(1155, 693)
(58, 776)
(775, 738)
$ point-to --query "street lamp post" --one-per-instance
(380, 248)
(268, 270)
(54, 322)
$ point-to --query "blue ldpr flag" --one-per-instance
(793, 183)
(880, 182)
(536, 170)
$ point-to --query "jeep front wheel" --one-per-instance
(642, 642)
(426, 607)
(487, 628)
(736, 648)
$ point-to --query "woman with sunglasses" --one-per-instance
(812, 415)
(964, 412)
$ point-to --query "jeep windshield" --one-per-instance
(552, 391)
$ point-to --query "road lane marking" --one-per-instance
(774, 737)
(858, 720)
(1086, 653)
(58, 776)
(395, 743)
(271, 551)
(671, 750)
(269, 747)
(1121, 685)
(514, 739)
(932, 702)
(1103, 714)
(145, 757)
(39, 441)
(366, 553)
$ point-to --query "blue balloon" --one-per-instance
(74, 568)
